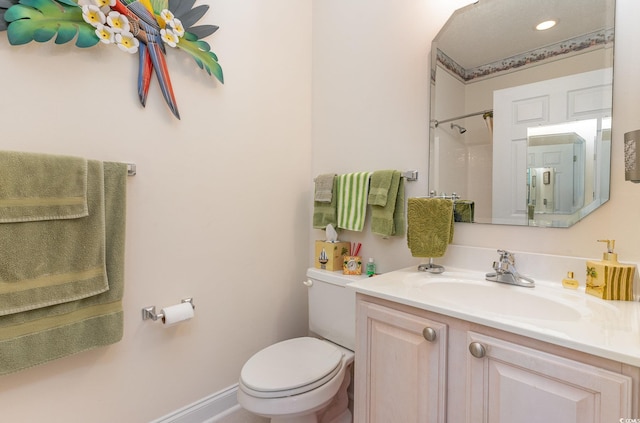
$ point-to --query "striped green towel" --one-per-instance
(352, 193)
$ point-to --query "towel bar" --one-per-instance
(131, 169)
(409, 175)
(433, 194)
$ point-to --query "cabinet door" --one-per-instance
(510, 383)
(400, 367)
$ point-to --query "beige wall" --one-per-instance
(220, 209)
(216, 211)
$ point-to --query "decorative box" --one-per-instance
(328, 255)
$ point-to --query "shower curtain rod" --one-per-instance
(438, 122)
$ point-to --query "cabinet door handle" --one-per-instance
(477, 349)
(429, 334)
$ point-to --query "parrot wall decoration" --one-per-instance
(145, 27)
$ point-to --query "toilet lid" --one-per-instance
(291, 364)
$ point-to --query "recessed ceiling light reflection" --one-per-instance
(545, 25)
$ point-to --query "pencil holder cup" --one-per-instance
(352, 265)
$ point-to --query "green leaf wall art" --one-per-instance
(143, 27)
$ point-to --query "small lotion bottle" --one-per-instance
(569, 282)
(371, 267)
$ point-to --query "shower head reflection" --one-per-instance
(459, 128)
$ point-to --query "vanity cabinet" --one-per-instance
(508, 382)
(413, 365)
(400, 366)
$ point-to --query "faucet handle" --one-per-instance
(506, 257)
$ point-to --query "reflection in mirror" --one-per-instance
(520, 118)
(573, 186)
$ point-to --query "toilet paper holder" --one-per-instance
(150, 312)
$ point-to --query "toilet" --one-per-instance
(305, 380)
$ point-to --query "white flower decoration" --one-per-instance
(127, 42)
(105, 34)
(93, 15)
(176, 27)
(118, 21)
(169, 37)
(166, 16)
(104, 3)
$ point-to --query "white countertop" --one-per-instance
(547, 312)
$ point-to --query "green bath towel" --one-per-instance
(47, 262)
(37, 336)
(429, 226)
(42, 187)
(388, 219)
(326, 213)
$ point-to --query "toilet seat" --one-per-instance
(291, 367)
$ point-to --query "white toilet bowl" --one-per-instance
(301, 380)
(305, 380)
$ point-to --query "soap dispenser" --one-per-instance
(608, 279)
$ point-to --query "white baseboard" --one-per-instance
(205, 410)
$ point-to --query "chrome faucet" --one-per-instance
(505, 271)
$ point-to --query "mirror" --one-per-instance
(520, 125)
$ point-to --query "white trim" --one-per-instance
(206, 410)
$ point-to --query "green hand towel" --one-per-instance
(430, 226)
(324, 188)
(37, 336)
(463, 211)
(381, 185)
(399, 213)
(42, 187)
(352, 193)
(388, 220)
(326, 213)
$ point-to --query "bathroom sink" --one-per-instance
(469, 292)
(500, 299)
(547, 312)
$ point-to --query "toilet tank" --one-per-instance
(332, 306)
